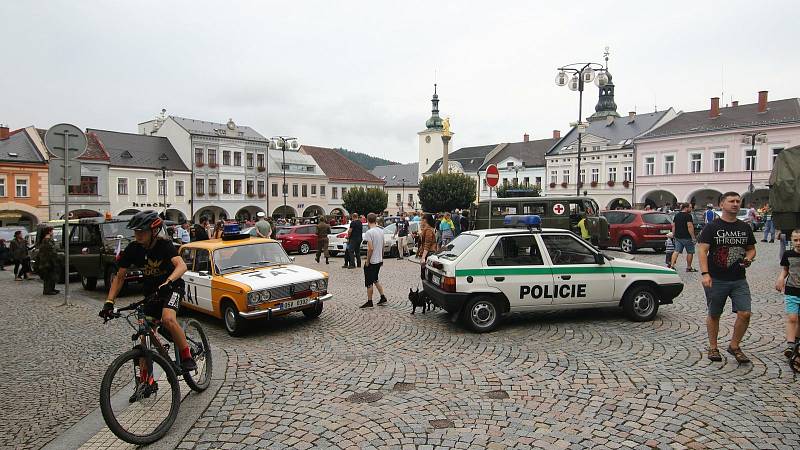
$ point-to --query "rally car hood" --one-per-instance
(640, 267)
(268, 277)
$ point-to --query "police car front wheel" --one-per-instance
(641, 304)
(481, 314)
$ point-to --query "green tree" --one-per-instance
(364, 201)
(446, 192)
(530, 190)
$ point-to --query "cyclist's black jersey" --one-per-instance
(155, 264)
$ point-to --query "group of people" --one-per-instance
(47, 263)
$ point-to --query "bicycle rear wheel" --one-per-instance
(200, 379)
(135, 410)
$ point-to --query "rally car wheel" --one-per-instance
(626, 245)
(88, 283)
(641, 304)
(304, 248)
(481, 314)
(234, 323)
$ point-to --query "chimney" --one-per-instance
(631, 114)
(525, 137)
(762, 101)
(556, 134)
(3, 132)
(714, 108)
(734, 103)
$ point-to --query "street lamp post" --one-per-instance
(280, 143)
(752, 156)
(403, 195)
(582, 73)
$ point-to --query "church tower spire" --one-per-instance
(605, 102)
(435, 122)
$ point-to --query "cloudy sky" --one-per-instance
(360, 74)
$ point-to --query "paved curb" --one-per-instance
(192, 407)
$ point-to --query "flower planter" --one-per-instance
(199, 164)
(251, 195)
(261, 169)
(626, 183)
(611, 184)
(212, 165)
(593, 184)
(212, 194)
(552, 185)
(262, 195)
(564, 185)
(580, 184)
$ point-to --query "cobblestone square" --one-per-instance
(383, 378)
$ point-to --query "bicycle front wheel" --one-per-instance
(139, 405)
(200, 379)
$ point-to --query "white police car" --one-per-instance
(483, 274)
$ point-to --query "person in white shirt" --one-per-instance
(374, 260)
(183, 233)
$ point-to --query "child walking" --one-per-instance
(789, 283)
(669, 246)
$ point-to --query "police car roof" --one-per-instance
(521, 230)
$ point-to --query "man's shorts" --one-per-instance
(153, 309)
(717, 295)
(688, 244)
(792, 304)
(371, 273)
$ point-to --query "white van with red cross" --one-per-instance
(484, 274)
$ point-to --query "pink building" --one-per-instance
(698, 155)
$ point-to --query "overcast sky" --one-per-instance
(360, 74)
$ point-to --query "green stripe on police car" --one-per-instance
(556, 271)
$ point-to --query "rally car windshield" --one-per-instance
(457, 246)
(247, 256)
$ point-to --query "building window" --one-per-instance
(344, 191)
(627, 173)
(305, 190)
(199, 186)
(212, 156)
(565, 176)
(612, 174)
(410, 198)
(669, 164)
(695, 162)
(141, 186)
(179, 188)
(22, 186)
(538, 181)
(2, 185)
(526, 181)
(485, 185)
(322, 190)
(399, 198)
(162, 187)
(313, 189)
(274, 189)
(595, 175)
(250, 160)
(212, 186)
(294, 190)
(775, 152)
(554, 176)
(750, 160)
(582, 176)
(261, 187)
(198, 155)
(226, 157)
(237, 186)
(226, 187)
(334, 192)
(122, 186)
(88, 186)
(650, 165)
(719, 161)
(237, 159)
(251, 188)
(260, 160)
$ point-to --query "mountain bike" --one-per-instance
(794, 359)
(151, 377)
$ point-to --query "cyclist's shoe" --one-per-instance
(143, 390)
(189, 365)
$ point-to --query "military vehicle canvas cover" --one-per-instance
(784, 193)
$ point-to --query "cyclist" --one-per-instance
(162, 269)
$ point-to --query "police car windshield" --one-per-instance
(232, 258)
(457, 246)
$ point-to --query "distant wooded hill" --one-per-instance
(362, 159)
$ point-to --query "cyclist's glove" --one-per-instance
(165, 291)
(108, 310)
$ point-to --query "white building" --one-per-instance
(227, 161)
(145, 172)
(402, 186)
(519, 163)
(306, 185)
(88, 197)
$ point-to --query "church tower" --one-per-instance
(605, 103)
(431, 146)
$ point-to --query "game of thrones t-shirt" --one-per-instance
(728, 242)
(791, 260)
(155, 263)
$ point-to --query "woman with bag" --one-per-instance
(427, 242)
(22, 260)
(47, 262)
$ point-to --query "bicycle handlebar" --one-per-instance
(116, 313)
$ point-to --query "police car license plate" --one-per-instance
(295, 303)
(436, 279)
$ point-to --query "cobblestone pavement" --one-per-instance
(383, 378)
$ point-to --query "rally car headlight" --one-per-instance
(313, 285)
(256, 297)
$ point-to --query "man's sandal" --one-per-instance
(714, 355)
(741, 358)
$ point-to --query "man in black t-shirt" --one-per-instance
(352, 255)
(726, 248)
(199, 232)
(683, 232)
(789, 284)
(162, 269)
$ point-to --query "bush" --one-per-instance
(364, 201)
(446, 192)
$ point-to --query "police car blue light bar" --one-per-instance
(231, 228)
(528, 221)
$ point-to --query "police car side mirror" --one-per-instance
(599, 258)
(291, 258)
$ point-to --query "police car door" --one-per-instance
(578, 277)
(198, 281)
(516, 267)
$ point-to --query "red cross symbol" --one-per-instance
(558, 208)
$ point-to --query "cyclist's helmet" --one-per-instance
(145, 220)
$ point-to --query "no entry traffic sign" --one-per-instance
(492, 175)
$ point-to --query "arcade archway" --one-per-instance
(284, 212)
(704, 197)
(212, 213)
(758, 197)
(619, 203)
(313, 211)
(128, 212)
(248, 213)
(82, 214)
(175, 215)
(659, 198)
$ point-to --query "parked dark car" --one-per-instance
(633, 229)
(298, 238)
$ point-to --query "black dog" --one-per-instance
(420, 300)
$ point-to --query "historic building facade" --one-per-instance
(402, 186)
(306, 185)
(23, 178)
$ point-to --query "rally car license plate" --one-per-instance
(295, 303)
(436, 279)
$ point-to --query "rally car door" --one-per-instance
(577, 275)
(198, 281)
(516, 267)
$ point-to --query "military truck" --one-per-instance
(555, 212)
(784, 192)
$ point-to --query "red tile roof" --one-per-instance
(337, 167)
(95, 149)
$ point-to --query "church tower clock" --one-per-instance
(431, 146)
